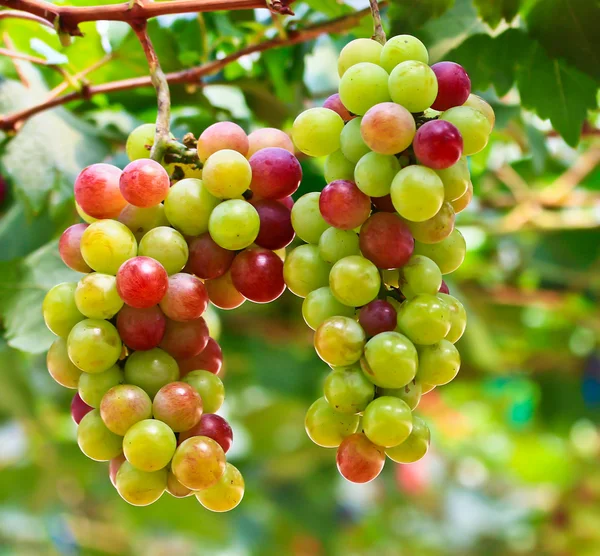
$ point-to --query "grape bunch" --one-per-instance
(131, 334)
(379, 238)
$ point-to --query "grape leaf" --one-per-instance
(407, 16)
(494, 11)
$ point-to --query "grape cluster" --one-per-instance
(379, 237)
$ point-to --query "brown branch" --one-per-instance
(379, 34)
(20, 56)
(193, 75)
(14, 14)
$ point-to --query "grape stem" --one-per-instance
(379, 34)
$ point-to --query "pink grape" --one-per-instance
(269, 137)
(186, 299)
(79, 409)
(287, 202)
(444, 288)
(438, 144)
(335, 103)
(223, 294)
(144, 183)
(209, 359)
(343, 205)
(222, 135)
(358, 459)
(213, 426)
(384, 203)
(97, 191)
(113, 468)
(454, 85)
(257, 274)
(123, 406)
(185, 339)
(141, 329)
(70, 250)
(178, 405)
(142, 282)
(386, 241)
(388, 128)
(198, 462)
(276, 229)
(276, 173)
(377, 316)
(207, 260)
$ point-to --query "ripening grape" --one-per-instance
(456, 180)
(257, 274)
(140, 141)
(151, 370)
(189, 205)
(97, 191)
(448, 254)
(417, 193)
(79, 409)
(59, 365)
(374, 173)
(149, 445)
(269, 137)
(144, 183)
(352, 144)
(213, 426)
(444, 288)
(458, 317)
(419, 275)
(227, 174)
(222, 293)
(92, 387)
(199, 462)
(479, 104)
(141, 329)
(348, 390)
(390, 360)
(175, 488)
(424, 319)
(142, 282)
(94, 345)
(183, 340)
(85, 217)
(70, 250)
(334, 103)
(123, 406)
(141, 220)
(454, 85)
(186, 298)
(359, 460)
(225, 494)
(386, 241)
(306, 218)
(276, 173)
(387, 421)
(438, 363)
(113, 468)
(140, 488)
(362, 86)
(276, 230)
(335, 244)
(354, 281)
(167, 246)
(95, 440)
(304, 270)
(316, 132)
(339, 341)
(210, 388)
(414, 447)
(388, 128)
(463, 201)
(209, 359)
(410, 394)
(357, 51)
(413, 85)
(234, 224)
(207, 260)
(403, 48)
(326, 427)
(222, 136)
(343, 205)
(338, 167)
(473, 126)
(178, 405)
(377, 317)
(106, 245)
(320, 304)
(435, 229)
(60, 309)
(438, 144)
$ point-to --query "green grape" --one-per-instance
(210, 388)
(189, 205)
(306, 218)
(352, 144)
(419, 275)
(227, 174)
(304, 270)
(410, 394)
(362, 86)
(413, 85)
(473, 126)
(387, 421)
(424, 319)
(391, 277)
(94, 345)
(234, 224)
(402, 48)
(335, 244)
(225, 494)
(355, 281)
(448, 254)
(92, 387)
(462, 203)
(151, 370)
(167, 246)
(338, 167)
(417, 193)
(59, 365)
(140, 488)
(390, 360)
(482, 106)
(95, 440)
(149, 445)
(316, 132)
(348, 390)
(327, 427)
(60, 310)
(426, 388)
(213, 321)
(456, 179)
(414, 447)
(96, 296)
(320, 304)
(458, 317)
(339, 341)
(438, 363)
(106, 245)
(435, 229)
(141, 220)
(357, 51)
(375, 172)
(140, 141)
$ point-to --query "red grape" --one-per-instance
(444, 288)
(186, 299)
(144, 183)
(222, 135)
(335, 103)
(69, 248)
(438, 144)
(141, 329)
(276, 173)
(185, 339)
(287, 202)
(377, 316)
(269, 137)
(384, 203)
(178, 405)
(258, 275)
(454, 85)
(388, 128)
(276, 229)
(213, 426)
(207, 260)
(358, 459)
(209, 359)
(142, 282)
(97, 191)
(113, 468)
(386, 241)
(222, 293)
(79, 409)
(343, 205)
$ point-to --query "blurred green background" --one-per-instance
(514, 467)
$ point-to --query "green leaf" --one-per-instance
(331, 8)
(407, 16)
(494, 11)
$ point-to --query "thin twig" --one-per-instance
(78, 78)
(379, 34)
(21, 56)
(11, 47)
(16, 14)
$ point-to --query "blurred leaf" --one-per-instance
(407, 16)
(494, 11)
